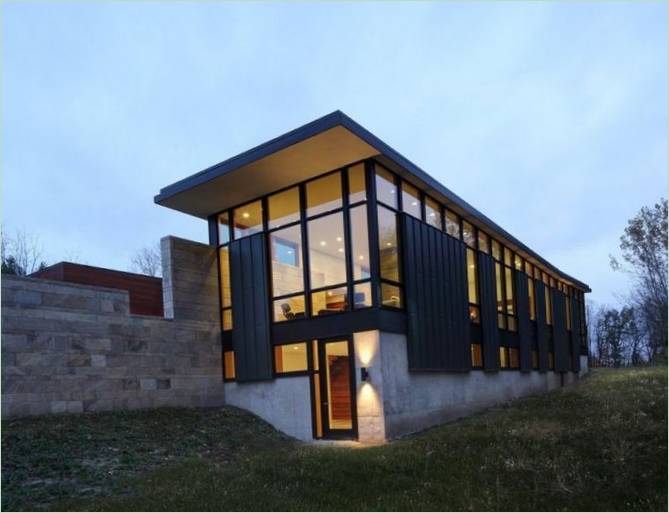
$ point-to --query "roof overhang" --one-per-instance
(328, 143)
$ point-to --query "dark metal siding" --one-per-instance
(542, 329)
(524, 326)
(560, 342)
(488, 299)
(575, 341)
(251, 338)
(436, 298)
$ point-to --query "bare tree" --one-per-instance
(616, 337)
(148, 261)
(22, 254)
(643, 248)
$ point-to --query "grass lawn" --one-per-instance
(599, 445)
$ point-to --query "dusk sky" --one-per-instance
(550, 118)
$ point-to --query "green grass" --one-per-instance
(599, 445)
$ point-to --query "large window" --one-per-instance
(386, 187)
(327, 250)
(472, 286)
(432, 213)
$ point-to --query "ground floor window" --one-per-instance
(508, 358)
(477, 356)
(229, 365)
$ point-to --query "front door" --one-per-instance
(334, 387)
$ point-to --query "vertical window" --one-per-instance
(514, 362)
(518, 262)
(327, 251)
(356, 184)
(386, 188)
(483, 242)
(359, 242)
(535, 359)
(432, 213)
(504, 357)
(224, 287)
(287, 270)
(501, 321)
(223, 228)
(229, 365)
(290, 358)
(472, 286)
(411, 200)
(477, 356)
(530, 298)
(362, 295)
(388, 250)
(452, 224)
(324, 194)
(329, 301)
(391, 295)
(284, 208)
(468, 234)
(548, 298)
(247, 219)
(496, 250)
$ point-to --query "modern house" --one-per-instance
(362, 299)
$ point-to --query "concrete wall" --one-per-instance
(283, 402)
(414, 401)
(68, 347)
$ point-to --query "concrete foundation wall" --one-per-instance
(74, 348)
(283, 402)
(413, 401)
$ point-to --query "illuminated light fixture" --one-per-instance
(322, 243)
(361, 257)
(296, 347)
(364, 375)
(471, 266)
(389, 243)
(290, 251)
(432, 214)
(341, 250)
(338, 239)
(414, 203)
(245, 215)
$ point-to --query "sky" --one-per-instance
(550, 118)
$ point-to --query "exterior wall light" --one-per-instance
(364, 375)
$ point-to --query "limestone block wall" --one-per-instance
(73, 348)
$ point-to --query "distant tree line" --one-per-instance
(636, 332)
(21, 253)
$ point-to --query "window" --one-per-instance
(356, 183)
(411, 200)
(503, 357)
(510, 299)
(535, 359)
(362, 295)
(452, 224)
(327, 253)
(483, 242)
(432, 213)
(329, 301)
(224, 287)
(505, 288)
(389, 255)
(548, 298)
(514, 362)
(518, 262)
(289, 308)
(530, 298)
(386, 188)
(496, 250)
(324, 194)
(287, 271)
(229, 365)
(477, 356)
(223, 228)
(391, 295)
(284, 208)
(359, 242)
(247, 219)
(472, 286)
(289, 358)
(468, 234)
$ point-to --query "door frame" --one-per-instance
(327, 433)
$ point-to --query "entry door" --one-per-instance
(336, 385)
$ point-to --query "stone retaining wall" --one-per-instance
(74, 348)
